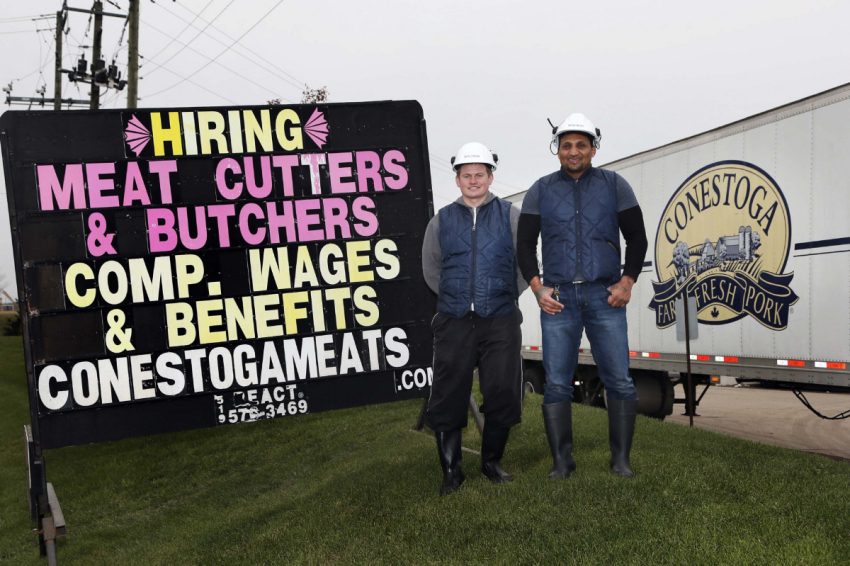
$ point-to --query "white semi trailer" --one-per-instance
(752, 220)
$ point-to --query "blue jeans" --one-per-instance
(586, 307)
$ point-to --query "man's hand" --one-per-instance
(545, 297)
(620, 293)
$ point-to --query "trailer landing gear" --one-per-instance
(691, 400)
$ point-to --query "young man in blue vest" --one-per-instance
(579, 212)
(469, 260)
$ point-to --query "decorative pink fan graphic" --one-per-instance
(317, 128)
(137, 135)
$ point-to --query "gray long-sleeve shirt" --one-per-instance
(432, 254)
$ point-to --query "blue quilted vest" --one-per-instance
(478, 265)
(579, 227)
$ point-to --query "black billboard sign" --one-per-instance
(183, 268)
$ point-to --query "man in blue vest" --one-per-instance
(579, 212)
(469, 260)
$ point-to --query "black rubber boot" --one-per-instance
(448, 448)
(621, 429)
(493, 442)
(558, 418)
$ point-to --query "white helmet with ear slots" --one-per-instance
(576, 122)
(474, 152)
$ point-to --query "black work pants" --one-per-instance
(493, 344)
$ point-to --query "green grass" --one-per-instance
(359, 486)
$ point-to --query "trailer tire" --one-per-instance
(655, 392)
(534, 377)
(588, 389)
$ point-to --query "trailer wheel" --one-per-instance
(655, 392)
(588, 389)
(534, 377)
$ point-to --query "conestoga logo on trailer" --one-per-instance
(725, 236)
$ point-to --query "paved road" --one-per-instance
(773, 416)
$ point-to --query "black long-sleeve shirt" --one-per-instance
(631, 226)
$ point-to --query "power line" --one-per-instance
(118, 47)
(222, 65)
(40, 85)
(89, 24)
(199, 85)
(51, 42)
(18, 19)
(110, 97)
(225, 50)
(153, 57)
(42, 57)
(78, 46)
(28, 75)
(276, 70)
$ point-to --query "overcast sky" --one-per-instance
(647, 72)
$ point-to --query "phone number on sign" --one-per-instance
(259, 404)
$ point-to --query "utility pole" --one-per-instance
(133, 55)
(109, 76)
(57, 83)
(96, 62)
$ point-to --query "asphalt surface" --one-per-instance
(773, 416)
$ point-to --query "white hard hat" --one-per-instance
(576, 122)
(474, 152)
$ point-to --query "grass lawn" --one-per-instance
(359, 486)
